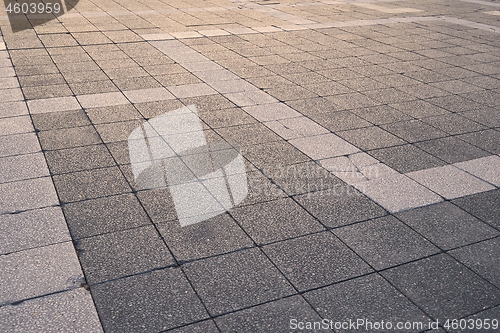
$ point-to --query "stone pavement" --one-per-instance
(370, 136)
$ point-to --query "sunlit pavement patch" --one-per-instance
(204, 179)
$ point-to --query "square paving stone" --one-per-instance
(406, 158)
(486, 168)
(40, 271)
(104, 215)
(452, 149)
(27, 194)
(248, 134)
(413, 130)
(371, 138)
(122, 253)
(301, 178)
(316, 260)
(446, 225)
(486, 140)
(340, 206)
(443, 288)
(453, 124)
(119, 131)
(57, 120)
(485, 206)
(450, 182)
(150, 302)
(369, 298)
(260, 188)
(340, 121)
(275, 220)
(385, 242)
(493, 312)
(238, 280)
(271, 154)
(23, 167)
(211, 237)
(483, 258)
(16, 125)
(379, 115)
(111, 114)
(90, 184)
(69, 311)
(31, 229)
(78, 159)
(69, 138)
(270, 317)
(158, 204)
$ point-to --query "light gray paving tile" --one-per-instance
(294, 128)
(229, 86)
(38, 272)
(100, 100)
(201, 66)
(186, 34)
(53, 105)
(272, 111)
(22, 167)
(148, 95)
(450, 182)
(192, 90)
(485, 168)
(398, 193)
(214, 32)
(217, 75)
(31, 229)
(69, 311)
(7, 72)
(323, 146)
(19, 144)
(11, 95)
(27, 194)
(16, 125)
(8, 82)
(11, 109)
(157, 37)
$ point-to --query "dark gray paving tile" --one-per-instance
(480, 320)
(340, 206)
(370, 138)
(385, 242)
(368, 298)
(278, 316)
(316, 260)
(313, 106)
(248, 134)
(485, 206)
(208, 103)
(301, 178)
(237, 280)
(382, 114)
(57, 120)
(487, 140)
(226, 117)
(455, 103)
(90, 184)
(452, 150)
(275, 220)
(485, 116)
(206, 326)
(419, 109)
(446, 225)
(406, 158)
(78, 159)
(272, 154)
(443, 288)
(413, 130)
(68, 138)
(158, 204)
(104, 215)
(340, 121)
(122, 253)
(112, 114)
(150, 302)
(211, 237)
(119, 131)
(260, 188)
(483, 258)
(454, 124)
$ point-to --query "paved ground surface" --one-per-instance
(370, 133)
